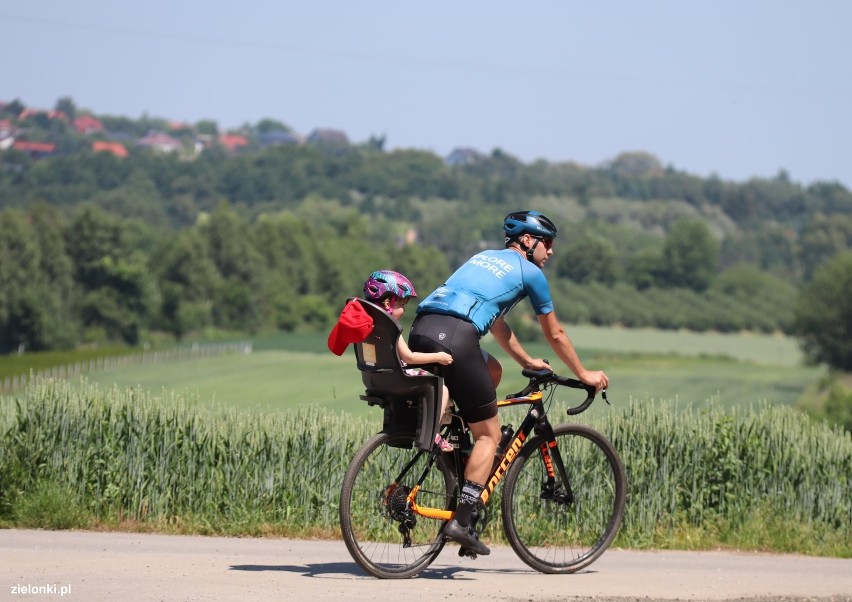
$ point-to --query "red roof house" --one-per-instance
(50, 114)
(34, 149)
(86, 124)
(116, 148)
(233, 142)
(28, 113)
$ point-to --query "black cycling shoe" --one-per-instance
(466, 537)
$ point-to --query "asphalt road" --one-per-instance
(127, 567)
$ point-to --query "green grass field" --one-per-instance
(208, 445)
(689, 368)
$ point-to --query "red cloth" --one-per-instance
(353, 326)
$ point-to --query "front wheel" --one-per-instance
(383, 536)
(548, 530)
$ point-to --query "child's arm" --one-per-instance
(417, 357)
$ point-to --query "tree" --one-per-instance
(426, 267)
(267, 125)
(587, 259)
(13, 109)
(690, 255)
(189, 282)
(743, 279)
(21, 313)
(112, 269)
(59, 292)
(67, 106)
(229, 244)
(636, 165)
(207, 127)
(823, 314)
(823, 238)
(644, 269)
(451, 235)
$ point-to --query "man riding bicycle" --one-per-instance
(472, 302)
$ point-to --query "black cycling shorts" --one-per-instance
(467, 378)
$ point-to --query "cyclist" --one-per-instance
(471, 303)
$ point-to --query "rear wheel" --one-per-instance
(549, 531)
(385, 538)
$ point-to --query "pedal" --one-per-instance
(464, 552)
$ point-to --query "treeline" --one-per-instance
(95, 277)
(778, 225)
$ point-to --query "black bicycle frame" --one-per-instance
(536, 423)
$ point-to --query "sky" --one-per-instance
(735, 88)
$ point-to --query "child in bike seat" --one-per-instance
(391, 290)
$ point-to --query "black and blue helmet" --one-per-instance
(537, 224)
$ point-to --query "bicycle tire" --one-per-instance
(370, 514)
(553, 535)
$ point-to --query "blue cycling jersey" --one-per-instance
(487, 287)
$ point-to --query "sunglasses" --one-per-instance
(547, 242)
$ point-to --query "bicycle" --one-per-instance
(562, 503)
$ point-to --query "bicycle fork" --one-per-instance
(551, 457)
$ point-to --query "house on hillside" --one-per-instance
(233, 142)
(160, 142)
(36, 150)
(464, 156)
(278, 139)
(327, 136)
(7, 134)
(27, 113)
(116, 148)
(87, 124)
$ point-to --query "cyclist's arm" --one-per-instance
(504, 336)
(564, 349)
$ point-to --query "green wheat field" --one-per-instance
(257, 444)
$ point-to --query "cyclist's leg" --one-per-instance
(495, 369)
(486, 436)
(471, 386)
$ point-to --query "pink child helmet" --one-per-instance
(385, 283)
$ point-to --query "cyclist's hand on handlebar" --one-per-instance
(537, 363)
(596, 378)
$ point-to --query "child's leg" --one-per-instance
(445, 419)
(445, 406)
